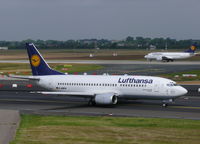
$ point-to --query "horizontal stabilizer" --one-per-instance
(25, 77)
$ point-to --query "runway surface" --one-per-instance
(184, 108)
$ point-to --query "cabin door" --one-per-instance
(156, 87)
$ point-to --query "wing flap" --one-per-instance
(67, 93)
(82, 94)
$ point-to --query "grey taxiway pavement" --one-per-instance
(186, 107)
(110, 62)
(9, 121)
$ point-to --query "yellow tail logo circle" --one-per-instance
(35, 60)
(193, 48)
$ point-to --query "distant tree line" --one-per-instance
(128, 43)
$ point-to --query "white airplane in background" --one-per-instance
(101, 89)
(171, 56)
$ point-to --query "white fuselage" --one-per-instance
(168, 55)
(130, 87)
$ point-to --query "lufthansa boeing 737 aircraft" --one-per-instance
(171, 56)
(101, 89)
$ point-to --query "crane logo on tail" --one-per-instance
(35, 60)
(193, 47)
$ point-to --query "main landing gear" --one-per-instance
(166, 102)
(167, 60)
(91, 102)
(164, 105)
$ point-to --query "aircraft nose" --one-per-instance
(146, 56)
(182, 91)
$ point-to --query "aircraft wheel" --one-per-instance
(164, 105)
(91, 102)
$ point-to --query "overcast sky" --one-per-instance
(110, 19)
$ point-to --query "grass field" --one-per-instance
(106, 130)
(178, 76)
(24, 69)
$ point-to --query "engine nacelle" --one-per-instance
(159, 58)
(105, 99)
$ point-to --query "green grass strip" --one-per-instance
(36, 129)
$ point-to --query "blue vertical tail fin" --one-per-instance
(38, 64)
(192, 48)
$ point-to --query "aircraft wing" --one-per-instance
(79, 94)
(167, 58)
(83, 94)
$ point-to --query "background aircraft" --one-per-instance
(100, 89)
(171, 56)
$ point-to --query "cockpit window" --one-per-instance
(172, 84)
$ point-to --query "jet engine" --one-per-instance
(105, 99)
